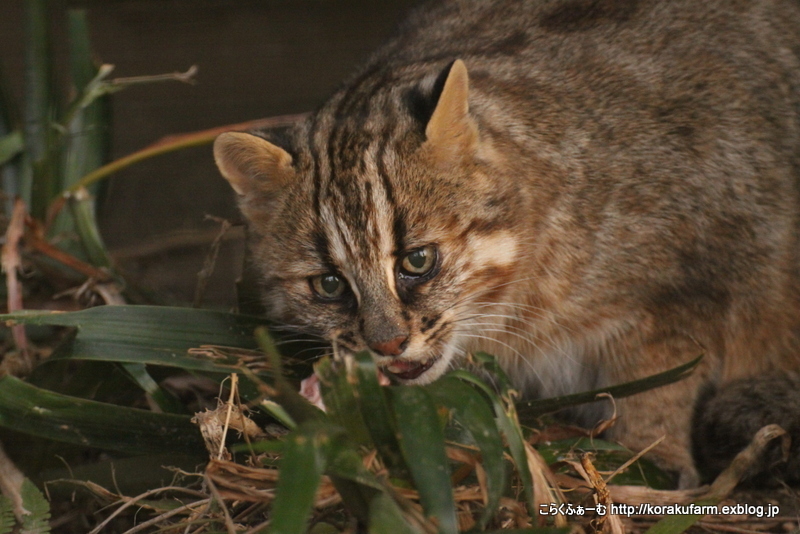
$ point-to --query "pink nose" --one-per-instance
(394, 347)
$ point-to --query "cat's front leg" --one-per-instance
(665, 412)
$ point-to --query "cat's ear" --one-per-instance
(252, 165)
(451, 132)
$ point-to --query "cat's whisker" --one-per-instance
(550, 348)
(517, 355)
(543, 319)
(312, 350)
(531, 336)
(282, 342)
(490, 289)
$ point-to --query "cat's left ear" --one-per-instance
(451, 133)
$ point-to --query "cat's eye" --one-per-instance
(328, 286)
(418, 262)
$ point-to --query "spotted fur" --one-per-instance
(611, 188)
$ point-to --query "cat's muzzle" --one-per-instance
(407, 369)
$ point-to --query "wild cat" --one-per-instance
(591, 190)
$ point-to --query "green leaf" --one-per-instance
(40, 187)
(157, 335)
(185, 327)
(276, 410)
(86, 145)
(422, 442)
(6, 515)
(9, 114)
(285, 394)
(346, 463)
(82, 209)
(473, 412)
(38, 520)
(339, 395)
(375, 410)
(167, 402)
(506, 420)
(10, 145)
(385, 517)
(304, 460)
(9, 171)
(87, 126)
(608, 457)
(42, 413)
(531, 409)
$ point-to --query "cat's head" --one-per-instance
(380, 225)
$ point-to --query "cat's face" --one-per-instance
(397, 243)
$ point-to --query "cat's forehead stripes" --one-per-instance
(354, 194)
(358, 213)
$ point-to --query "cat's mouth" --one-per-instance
(408, 370)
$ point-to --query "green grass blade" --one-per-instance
(82, 209)
(7, 520)
(346, 463)
(11, 145)
(532, 409)
(42, 186)
(165, 401)
(374, 408)
(304, 460)
(277, 411)
(157, 335)
(422, 442)
(9, 114)
(340, 396)
(87, 144)
(82, 68)
(159, 328)
(607, 457)
(42, 413)
(507, 423)
(146, 354)
(10, 171)
(385, 517)
(473, 412)
(285, 394)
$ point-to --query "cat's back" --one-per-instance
(571, 31)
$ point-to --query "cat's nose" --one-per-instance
(395, 347)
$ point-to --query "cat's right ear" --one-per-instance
(451, 133)
(252, 165)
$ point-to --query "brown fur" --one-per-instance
(611, 187)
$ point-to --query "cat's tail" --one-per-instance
(726, 419)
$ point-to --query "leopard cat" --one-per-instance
(594, 191)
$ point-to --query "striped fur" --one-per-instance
(611, 188)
